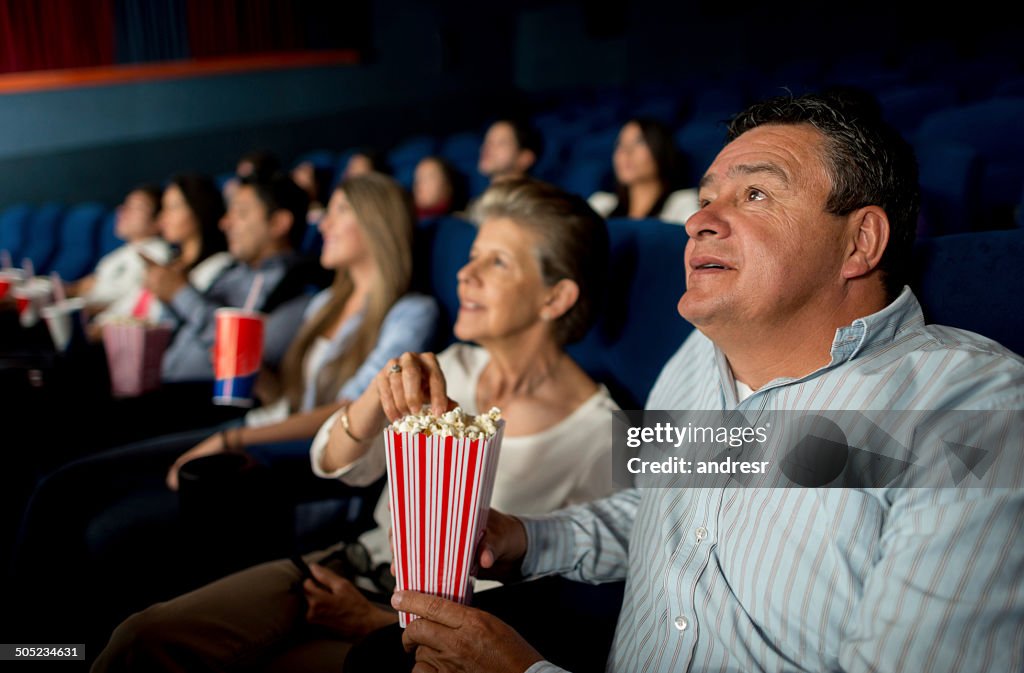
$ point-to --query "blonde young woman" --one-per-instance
(365, 317)
(531, 285)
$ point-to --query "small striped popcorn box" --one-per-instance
(440, 491)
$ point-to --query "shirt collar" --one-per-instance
(876, 329)
(863, 334)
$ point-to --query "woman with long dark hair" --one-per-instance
(646, 166)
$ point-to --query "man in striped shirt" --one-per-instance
(795, 283)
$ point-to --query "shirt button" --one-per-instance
(701, 533)
(681, 623)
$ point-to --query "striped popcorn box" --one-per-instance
(135, 353)
(439, 489)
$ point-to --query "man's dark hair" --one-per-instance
(279, 192)
(527, 135)
(867, 161)
(153, 192)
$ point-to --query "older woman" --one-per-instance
(646, 163)
(531, 285)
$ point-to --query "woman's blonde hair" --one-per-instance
(384, 213)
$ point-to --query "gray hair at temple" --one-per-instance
(867, 161)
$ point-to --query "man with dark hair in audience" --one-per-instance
(511, 148)
(794, 279)
(264, 226)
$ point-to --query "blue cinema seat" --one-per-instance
(906, 106)
(640, 328)
(321, 158)
(700, 142)
(974, 282)
(42, 235)
(949, 174)
(586, 176)
(405, 156)
(13, 229)
(76, 254)
(106, 237)
(995, 130)
(441, 248)
(463, 151)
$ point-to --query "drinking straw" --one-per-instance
(58, 287)
(141, 308)
(30, 270)
(5, 260)
(254, 293)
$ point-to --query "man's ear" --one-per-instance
(281, 222)
(525, 160)
(561, 297)
(869, 229)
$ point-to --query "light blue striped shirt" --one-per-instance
(789, 579)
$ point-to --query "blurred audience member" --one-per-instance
(316, 182)
(350, 329)
(264, 225)
(189, 220)
(366, 160)
(511, 148)
(120, 272)
(646, 166)
(437, 188)
(257, 164)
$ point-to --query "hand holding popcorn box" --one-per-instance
(440, 477)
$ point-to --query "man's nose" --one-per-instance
(708, 221)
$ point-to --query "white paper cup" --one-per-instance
(64, 320)
(10, 279)
(30, 297)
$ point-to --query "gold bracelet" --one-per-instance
(345, 426)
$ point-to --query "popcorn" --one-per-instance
(129, 321)
(455, 423)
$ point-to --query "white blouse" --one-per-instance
(568, 463)
(678, 207)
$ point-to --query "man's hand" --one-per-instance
(453, 637)
(502, 549)
(163, 281)
(337, 605)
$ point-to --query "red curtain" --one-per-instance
(50, 34)
(221, 27)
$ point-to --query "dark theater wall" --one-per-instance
(430, 69)
(438, 66)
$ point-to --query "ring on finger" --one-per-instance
(395, 368)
